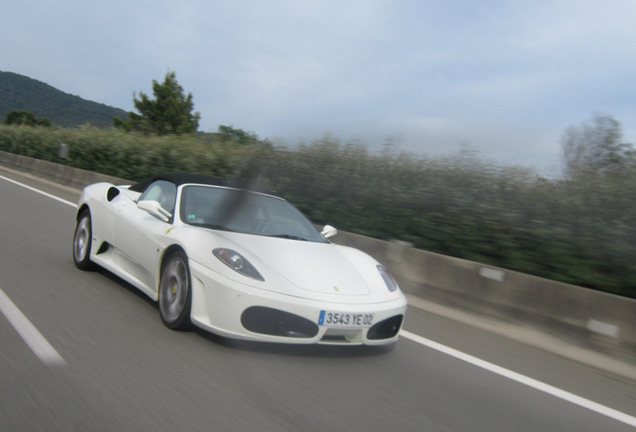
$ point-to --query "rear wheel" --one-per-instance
(82, 241)
(175, 294)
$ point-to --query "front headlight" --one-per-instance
(391, 284)
(236, 262)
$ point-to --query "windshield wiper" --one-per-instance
(288, 236)
(211, 226)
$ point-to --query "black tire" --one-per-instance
(175, 292)
(83, 241)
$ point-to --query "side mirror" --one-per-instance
(155, 209)
(329, 231)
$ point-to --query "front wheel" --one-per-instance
(175, 294)
(82, 241)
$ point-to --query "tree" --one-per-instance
(595, 147)
(230, 133)
(169, 113)
(23, 117)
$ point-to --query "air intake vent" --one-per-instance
(385, 329)
(274, 322)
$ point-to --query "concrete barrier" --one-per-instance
(603, 321)
(599, 320)
(61, 174)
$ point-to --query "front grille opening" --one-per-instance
(342, 337)
(274, 322)
(386, 329)
(334, 338)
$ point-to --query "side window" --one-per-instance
(162, 191)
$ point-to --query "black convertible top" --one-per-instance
(179, 179)
(183, 178)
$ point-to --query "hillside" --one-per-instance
(18, 92)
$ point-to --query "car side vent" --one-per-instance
(103, 248)
(112, 193)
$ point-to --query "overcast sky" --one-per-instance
(505, 78)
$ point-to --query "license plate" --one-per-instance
(344, 319)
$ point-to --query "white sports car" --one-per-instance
(237, 263)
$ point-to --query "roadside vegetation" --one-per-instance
(579, 228)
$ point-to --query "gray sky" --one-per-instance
(505, 78)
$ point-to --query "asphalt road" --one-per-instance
(100, 359)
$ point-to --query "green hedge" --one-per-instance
(582, 232)
(122, 154)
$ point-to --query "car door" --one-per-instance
(139, 236)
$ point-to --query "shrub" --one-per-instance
(579, 231)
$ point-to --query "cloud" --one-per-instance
(506, 77)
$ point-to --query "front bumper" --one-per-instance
(225, 307)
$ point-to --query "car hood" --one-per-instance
(315, 267)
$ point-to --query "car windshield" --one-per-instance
(245, 212)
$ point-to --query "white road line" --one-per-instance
(33, 338)
(522, 379)
(38, 344)
(68, 203)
